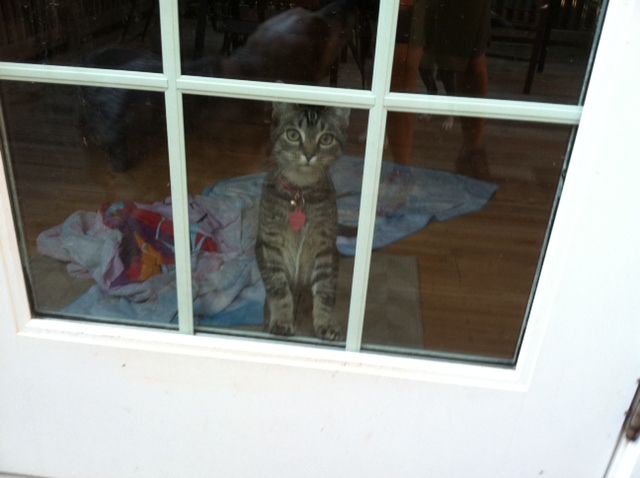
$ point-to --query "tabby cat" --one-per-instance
(298, 221)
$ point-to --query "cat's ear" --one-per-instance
(343, 115)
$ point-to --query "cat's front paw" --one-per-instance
(328, 331)
(281, 327)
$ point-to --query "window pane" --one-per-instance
(300, 41)
(120, 34)
(90, 179)
(464, 206)
(262, 177)
(511, 49)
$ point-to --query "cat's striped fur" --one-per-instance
(298, 259)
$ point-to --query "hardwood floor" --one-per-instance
(476, 272)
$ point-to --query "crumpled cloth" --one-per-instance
(107, 247)
(227, 287)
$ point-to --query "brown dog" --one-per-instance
(295, 46)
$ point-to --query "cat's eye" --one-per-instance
(326, 139)
(292, 135)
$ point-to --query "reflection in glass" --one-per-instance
(278, 188)
(90, 180)
(509, 49)
(300, 41)
(458, 237)
(122, 34)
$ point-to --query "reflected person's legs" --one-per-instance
(400, 129)
(404, 77)
(474, 82)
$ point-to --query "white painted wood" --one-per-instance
(4, 475)
(265, 91)
(626, 460)
(96, 400)
(371, 172)
(484, 108)
(16, 311)
(177, 164)
(69, 75)
(269, 353)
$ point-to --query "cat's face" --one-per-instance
(307, 140)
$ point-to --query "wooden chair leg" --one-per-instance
(333, 73)
(537, 47)
(553, 9)
(201, 25)
(128, 20)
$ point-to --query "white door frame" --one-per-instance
(625, 462)
(57, 376)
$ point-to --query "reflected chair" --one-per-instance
(540, 23)
(523, 22)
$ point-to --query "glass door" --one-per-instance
(153, 150)
(332, 197)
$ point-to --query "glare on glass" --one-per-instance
(532, 50)
(91, 184)
(118, 34)
(274, 188)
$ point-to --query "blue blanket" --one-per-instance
(409, 199)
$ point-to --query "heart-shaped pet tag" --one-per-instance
(297, 220)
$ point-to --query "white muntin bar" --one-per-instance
(72, 75)
(12, 229)
(177, 163)
(484, 108)
(379, 100)
(268, 91)
(386, 34)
